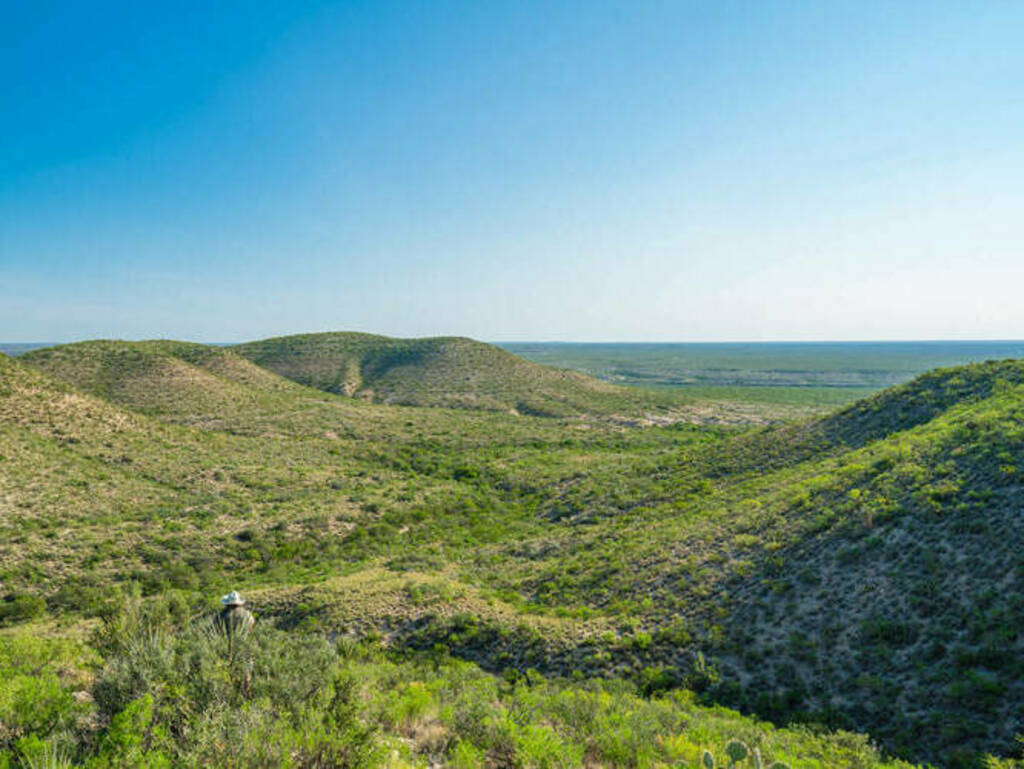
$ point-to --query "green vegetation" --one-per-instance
(155, 689)
(858, 571)
(444, 371)
(759, 364)
(816, 376)
(812, 399)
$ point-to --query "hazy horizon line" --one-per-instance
(223, 343)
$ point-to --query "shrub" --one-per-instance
(273, 697)
(32, 704)
(20, 607)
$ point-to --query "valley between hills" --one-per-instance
(458, 557)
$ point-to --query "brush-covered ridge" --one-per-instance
(452, 372)
(159, 377)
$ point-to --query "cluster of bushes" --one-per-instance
(158, 687)
(18, 607)
(175, 692)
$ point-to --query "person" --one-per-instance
(234, 619)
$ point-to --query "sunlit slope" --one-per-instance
(281, 484)
(164, 378)
(871, 419)
(213, 388)
(443, 371)
(91, 492)
(205, 386)
(67, 480)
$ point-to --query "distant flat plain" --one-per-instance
(20, 348)
(793, 373)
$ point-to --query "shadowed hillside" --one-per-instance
(451, 372)
(862, 570)
(898, 606)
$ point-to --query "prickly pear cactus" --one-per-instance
(736, 751)
(757, 759)
(709, 760)
(779, 765)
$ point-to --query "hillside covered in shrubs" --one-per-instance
(477, 587)
(152, 688)
(452, 372)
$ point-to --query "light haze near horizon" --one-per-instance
(664, 171)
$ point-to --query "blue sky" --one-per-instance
(523, 170)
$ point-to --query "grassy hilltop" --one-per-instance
(451, 372)
(859, 570)
(160, 377)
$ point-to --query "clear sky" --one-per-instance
(586, 170)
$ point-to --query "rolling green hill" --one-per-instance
(159, 377)
(859, 570)
(452, 372)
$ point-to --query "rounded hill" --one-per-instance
(452, 372)
(158, 376)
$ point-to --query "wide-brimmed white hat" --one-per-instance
(232, 599)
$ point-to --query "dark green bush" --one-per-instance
(20, 607)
